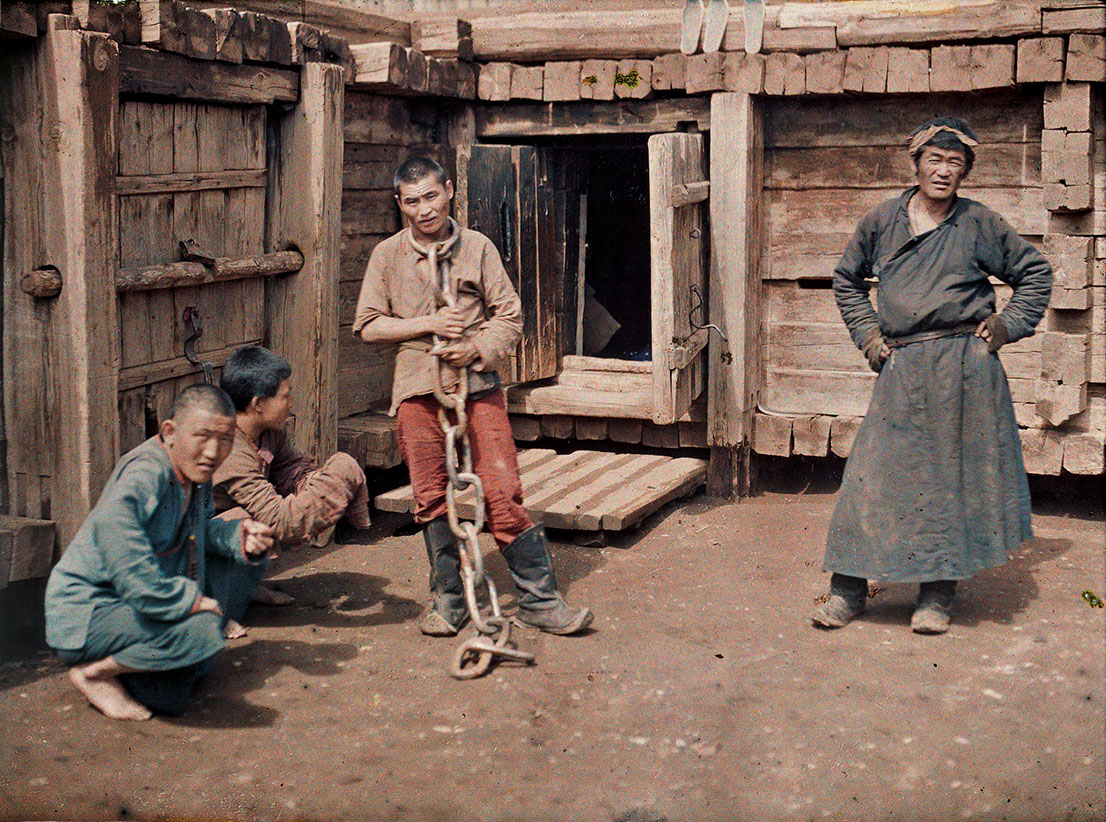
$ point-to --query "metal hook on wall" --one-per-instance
(699, 307)
(193, 321)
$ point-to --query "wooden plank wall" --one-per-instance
(827, 163)
(160, 138)
(380, 133)
(26, 339)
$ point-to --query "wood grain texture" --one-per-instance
(81, 76)
(145, 71)
(302, 309)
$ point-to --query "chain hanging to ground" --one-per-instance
(474, 656)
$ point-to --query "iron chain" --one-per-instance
(475, 655)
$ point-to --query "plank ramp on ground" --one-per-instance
(586, 490)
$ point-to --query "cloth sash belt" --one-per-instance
(940, 333)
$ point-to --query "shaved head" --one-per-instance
(202, 397)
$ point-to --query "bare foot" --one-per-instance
(270, 596)
(107, 695)
(234, 630)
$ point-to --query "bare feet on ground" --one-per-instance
(234, 630)
(107, 695)
(271, 596)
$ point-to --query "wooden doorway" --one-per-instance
(552, 213)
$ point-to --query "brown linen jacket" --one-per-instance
(398, 284)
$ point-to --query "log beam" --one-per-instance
(223, 269)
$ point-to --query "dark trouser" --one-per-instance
(856, 588)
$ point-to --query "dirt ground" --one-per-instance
(701, 694)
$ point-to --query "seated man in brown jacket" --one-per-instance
(268, 480)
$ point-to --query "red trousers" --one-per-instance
(494, 459)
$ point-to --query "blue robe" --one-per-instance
(935, 487)
(126, 585)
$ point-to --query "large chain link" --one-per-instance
(474, 656)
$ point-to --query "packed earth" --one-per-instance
(701, 692)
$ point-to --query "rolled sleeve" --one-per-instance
(372, 301)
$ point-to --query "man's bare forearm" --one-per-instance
(395, 329)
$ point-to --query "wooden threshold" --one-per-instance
(586, 490)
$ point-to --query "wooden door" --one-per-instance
(511, 196)
(678, 189)
(187, 171)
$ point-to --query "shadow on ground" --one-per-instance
(995, 595)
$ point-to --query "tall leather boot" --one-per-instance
(540, 604)
(847, 600)
(448, 612)
(933, 612)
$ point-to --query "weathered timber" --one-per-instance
(466, 80)
(1068, 106)
(305, 214)
(771, 435)
(526, 429)
(843, 432)
(443, 37)
(907, 70)
(172, 26)
(148, 374)
(784, 73)
(568, 35)
(633, 79)
(122, 22)
(660, 436)
(30, 545)
(265, 39)
(228, 34)
(703, 72)
(825, 72)
(494, 82)
(872, 24)
(743, 73)
(1092, 18)
(736, 174)
(41, 283)
(562, 81)
(146, 71)
(811, 435)
(81, 78)
(669, 72)
(1086, 58)
(644, 116)
(1085, 453)
(17, 20)
(527, 82)
(222, 269)
(1072, 260)
(597, 79)
(1042, 450)
(591, 428)
(558, 426)
(951, 68)
(173, 182)
(379, 66)
(371, 439)
(866, 70)
(1040, 60)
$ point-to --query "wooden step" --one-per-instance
(371, 439)
(586, 490)
(573, 362)
(606, 380)
(580, 402)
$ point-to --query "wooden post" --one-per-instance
(305, 212)
(737, 156)
(80, 86)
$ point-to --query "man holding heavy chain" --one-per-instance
(440, 292)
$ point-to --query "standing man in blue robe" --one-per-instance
(137, 604)
(935, 488)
